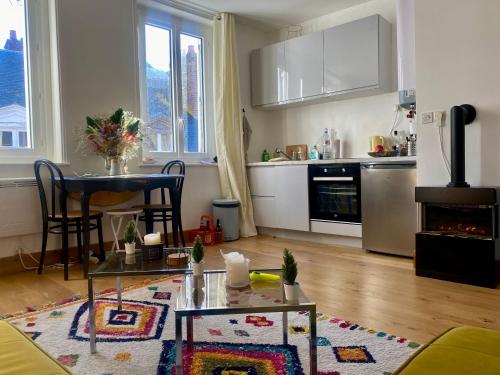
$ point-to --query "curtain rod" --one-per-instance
(190, 7)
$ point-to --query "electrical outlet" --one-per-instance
(427, 117)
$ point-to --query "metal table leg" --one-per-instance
(147, 213)
(189, 323)
(93, 349)
(85, 203)
(119, 291)
(285, 328)
(313, 355)
(178, 343)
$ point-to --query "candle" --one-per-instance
(152, 239)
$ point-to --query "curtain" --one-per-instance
(228, 122)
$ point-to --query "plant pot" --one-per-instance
(115, 168)
(198, 268)
(130, 248)
(292, 292)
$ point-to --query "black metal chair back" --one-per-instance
(181, 170)
(54, 172)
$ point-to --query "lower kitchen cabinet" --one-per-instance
(287, 205)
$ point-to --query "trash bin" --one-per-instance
(227, 212)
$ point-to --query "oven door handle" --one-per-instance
(333, 178)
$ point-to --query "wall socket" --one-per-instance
(427, 117)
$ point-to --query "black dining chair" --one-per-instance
(162, 212)
(58, 220)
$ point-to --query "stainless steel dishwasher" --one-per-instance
(388, 209)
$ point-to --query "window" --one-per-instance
(6, 139)
(174, 56)
(28, 56)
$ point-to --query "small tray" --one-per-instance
(384, 154)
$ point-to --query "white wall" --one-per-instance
(457, 62)
(354, 119)
(98, 74)
(266, 125)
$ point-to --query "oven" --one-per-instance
(335, 193)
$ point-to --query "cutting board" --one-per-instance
(291, 148)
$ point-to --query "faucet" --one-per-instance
(279, 151)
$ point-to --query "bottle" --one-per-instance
(314, 153)
(300, 154)
(208, 236)
(218, 227)
(265, 156)
(218, 233)
(335, 145)
(327, 145)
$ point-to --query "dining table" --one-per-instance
(86, 185)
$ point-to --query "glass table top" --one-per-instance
(121, 264)
(209, 292)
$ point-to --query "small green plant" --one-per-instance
(129, 234)
(197, 253)
(289, 267)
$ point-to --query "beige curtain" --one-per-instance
(228, 122)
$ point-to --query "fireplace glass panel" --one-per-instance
(459, 220)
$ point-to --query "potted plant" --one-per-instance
(197, 257)
(129, 237)
(289, 270)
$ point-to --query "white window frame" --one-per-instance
(43, 116)
(178, 23)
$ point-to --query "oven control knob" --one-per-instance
(335, 215)
(343, 170)
(325, 170)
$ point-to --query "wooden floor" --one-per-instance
(377, 291)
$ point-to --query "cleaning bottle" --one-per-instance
(327, 144)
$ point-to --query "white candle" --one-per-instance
(152, 239)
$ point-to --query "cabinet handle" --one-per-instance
(333, 178)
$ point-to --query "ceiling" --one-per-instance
(276, 14)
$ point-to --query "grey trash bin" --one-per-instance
(227, 211)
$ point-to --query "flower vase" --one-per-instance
(115, 167)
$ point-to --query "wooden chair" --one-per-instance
(59, 220)
(163, 212)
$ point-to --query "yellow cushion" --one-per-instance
(462, 350)
(20, 355)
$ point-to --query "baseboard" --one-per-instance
(326, 239)
(11, 264)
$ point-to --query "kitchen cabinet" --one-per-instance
(268, 74)
(292, 198)
(280, 196)
(304, 66)
(357, 56)
(345, 61)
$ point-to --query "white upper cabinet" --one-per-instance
(349, 60)
(356, 55)
(304, 66)
(268, 74)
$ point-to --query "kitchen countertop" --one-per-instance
(394, 159)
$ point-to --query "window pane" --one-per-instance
(23, 139)
(6, 138)
(159, 89)
(13, 68)
(192, 91)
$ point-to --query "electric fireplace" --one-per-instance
(458, 237)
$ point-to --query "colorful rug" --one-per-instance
(139, 339)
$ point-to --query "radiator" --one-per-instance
(20, 207)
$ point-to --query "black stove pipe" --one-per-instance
(459, 117)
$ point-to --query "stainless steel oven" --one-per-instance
(335, 192)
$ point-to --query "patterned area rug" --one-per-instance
(139, 339)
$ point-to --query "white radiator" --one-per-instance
(19, 207)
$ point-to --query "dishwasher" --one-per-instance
(388, 207)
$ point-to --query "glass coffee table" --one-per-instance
(118, 265)
(209, 295)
